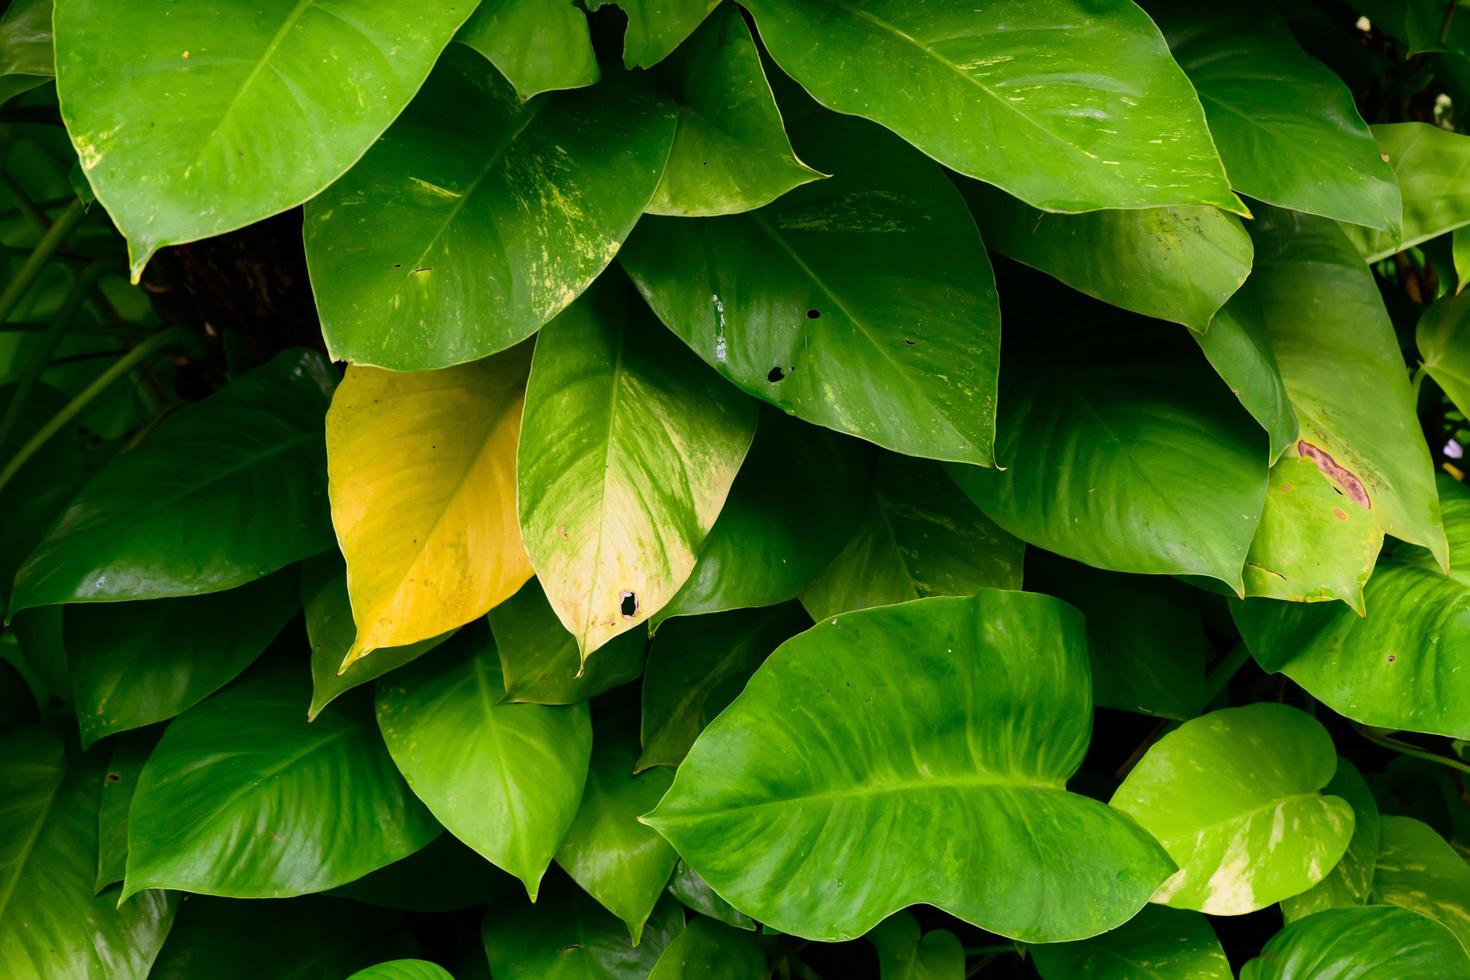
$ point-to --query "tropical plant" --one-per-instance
(817, 489)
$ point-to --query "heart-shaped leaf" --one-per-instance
(1377, 942)
(1157, 942)
(538, 46)
(568, 936)
(1351, 880)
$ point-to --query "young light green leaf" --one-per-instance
(628, 449)
(864, 303)
(221, 116)
(1430, 164)
(1233, 796)
(403, 970)
(709, 948)
(1069, 109)
(504, 778)
(1157, 942)
(1377, 942)
(964, 753)
(525, 203)
(539, 46)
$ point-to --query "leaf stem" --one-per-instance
(85, 397)
(1221, 674)
(1379, 737)
(39, 256)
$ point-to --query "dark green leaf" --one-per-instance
(709, 948)
(539, 46)
(1239, 350)
(119, 782)
(655, 27)
(442, 877)
(903, 955)
(568, 936)
(1158, 942)
(25, 47)
(688, 887)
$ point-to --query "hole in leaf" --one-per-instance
(813, 314)
(113, 777)
(776, 374)
(630, 604)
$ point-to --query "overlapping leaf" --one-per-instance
(538, 46)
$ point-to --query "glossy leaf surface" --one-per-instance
(504, 778)
(1157, 942)
(223, 116)
(1067, 108)
(26, 60)
(568, 936)
(1351, 879)
(863, 303)
(242, 798)
(119, 782)
(1373, 943)
(180, 515)
(655, 27)
(1417, 870)
(538, 46)
(1430, 164)
(828, 744)
(1233, 796)
(695, 893)
(423, 496)
(708, 948)
(519, 209)
(628, 450)
(1444, 343)
(403, 970)
(1239, 350)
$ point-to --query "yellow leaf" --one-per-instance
(422, 480)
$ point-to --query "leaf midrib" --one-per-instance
(981, 780)
(27, 849)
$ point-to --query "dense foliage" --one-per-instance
(644, 598)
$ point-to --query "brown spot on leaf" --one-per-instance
(1346, 479)
(1339, 513)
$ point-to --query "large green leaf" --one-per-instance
(504, 778)
(568, 936)
(1104, 443)
(477, 217)
(539, 46)
(1233, 797)
(26, 60)
(864, 303)
(51, 924)
(616, 859)
(1445, 346)
(1431, 165)
(1158, 942)
(242, 798)
(539, 660)
(1145, 637)
(1417, 870)
(655, 27)
(1285, 124)
(919, 537)
(730, 150)
(903, 955)
(1398, 667)
(1178, 264)
(181, 514)
(1376, 942)
(1069, 108)
(951, 771)
(697, 666)
(794, 504)
(330, 630)
(1368, 450)
(1351, 879)
(220, 116)
(628, 449)
(134, 663)
(1240, 352)
(708, 948)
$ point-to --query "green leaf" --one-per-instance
(1445, 346)
(331, 632)
(134, 663)
(1460, 252)
(962, 756)
(538, 46)
(697, 666)
(656, 27)
(51, 923)
(863, 303)
(504, 778)
(1400, 666)
(181, 514)
(1285, 124)
(1369, 448)
(616, 859)
(1145, 637)
(1239, 350)
(1418, 871)
(1068, 109)
(219, 117)
(708, 948)
(311, 938)
(1373, 943)
(568, 936)
(539, 659)
(902, 955)
(119, 782)
(26, 60)
(242, 798)
(1103, 438)
(730, 151)
(403, 970)
(1157, 942)
(1233, 796)
(445, 876)
(628, 450)
(688, 887)
(919, 537)
(1350, 880)
(523, 205)
(1179, 264)
(794, 504)
(1430, 165)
